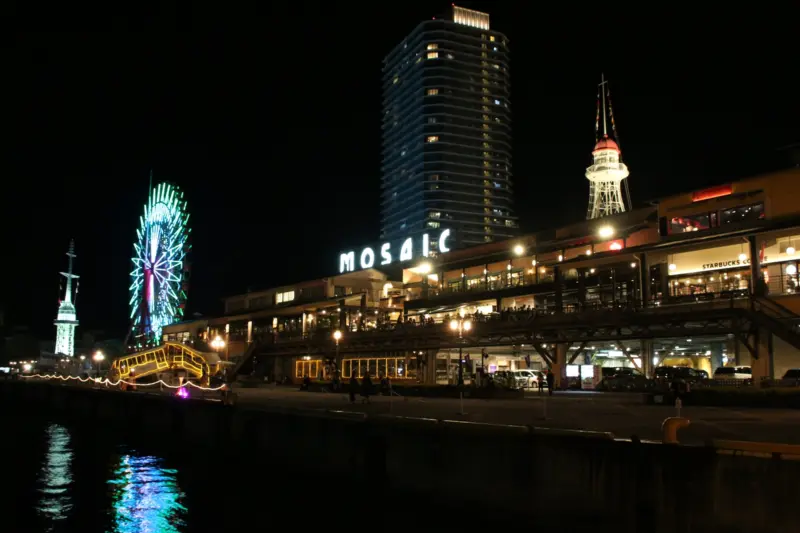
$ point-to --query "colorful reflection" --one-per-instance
(55, 479)
(146, 497)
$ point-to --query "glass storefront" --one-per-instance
(310, 368)
(723, 283)
(391, 367)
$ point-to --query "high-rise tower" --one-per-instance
(607, 172)
(447, 132)
(67, 319)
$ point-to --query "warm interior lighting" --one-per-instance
(713, 192)
(519, 249)
(424, 268)
(454, 325)
(467, 325)
(673, 266)
(742, 257)
(605, 232)
(790, 250)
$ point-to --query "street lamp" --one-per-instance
(218, 343)
(98, 358)
(460, 325)
(337, 336)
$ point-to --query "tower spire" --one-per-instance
(607, 172)
(603, 93)
(67, 319)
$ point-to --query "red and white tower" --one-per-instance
(607, 172)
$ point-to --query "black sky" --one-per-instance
(270, 122)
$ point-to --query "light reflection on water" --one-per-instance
(55, 499)
(146, 497)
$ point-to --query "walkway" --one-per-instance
(622, 414)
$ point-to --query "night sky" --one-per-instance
(270, 122)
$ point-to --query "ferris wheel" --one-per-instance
(160, 276)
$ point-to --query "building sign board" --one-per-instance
(716, 258)
(389, 253)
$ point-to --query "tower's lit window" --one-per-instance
(432, 92)
(432, 46)
(433, 55)
(491, 38)
(432, 138)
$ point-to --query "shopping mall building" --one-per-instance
(698, 256)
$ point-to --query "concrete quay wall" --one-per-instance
(525, 471)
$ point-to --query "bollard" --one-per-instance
(678, 405)
(670, 427)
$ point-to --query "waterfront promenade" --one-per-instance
(623, 414)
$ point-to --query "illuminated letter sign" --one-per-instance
(347, 262)
(367, 258)
(385, 255)
(443, 241)
(410, 249)
(406, 251)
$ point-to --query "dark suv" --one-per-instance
(668, 374)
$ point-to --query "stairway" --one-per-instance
(245, 358)
(776, 319)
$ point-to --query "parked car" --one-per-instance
(791, 378)
(529, 379)
(624, 379)
(665, 375)
(733, 372)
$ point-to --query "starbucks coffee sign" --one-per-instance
(389, 253)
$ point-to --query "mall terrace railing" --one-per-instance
(739, 299)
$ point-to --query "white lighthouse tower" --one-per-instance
(607, 172)
(67, 319)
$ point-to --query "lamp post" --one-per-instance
(218, 344)
(461, 325)
(337, 336)
(98, 358)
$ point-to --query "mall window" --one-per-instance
(307, 368)
(689, 223)
(433, 92)
(393, 368)
(283, 297)
(695, 285)
(744, 213)
(432, 138)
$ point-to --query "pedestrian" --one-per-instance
(551, 380)
(366, 388)
(540, 381)
(353, 387)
